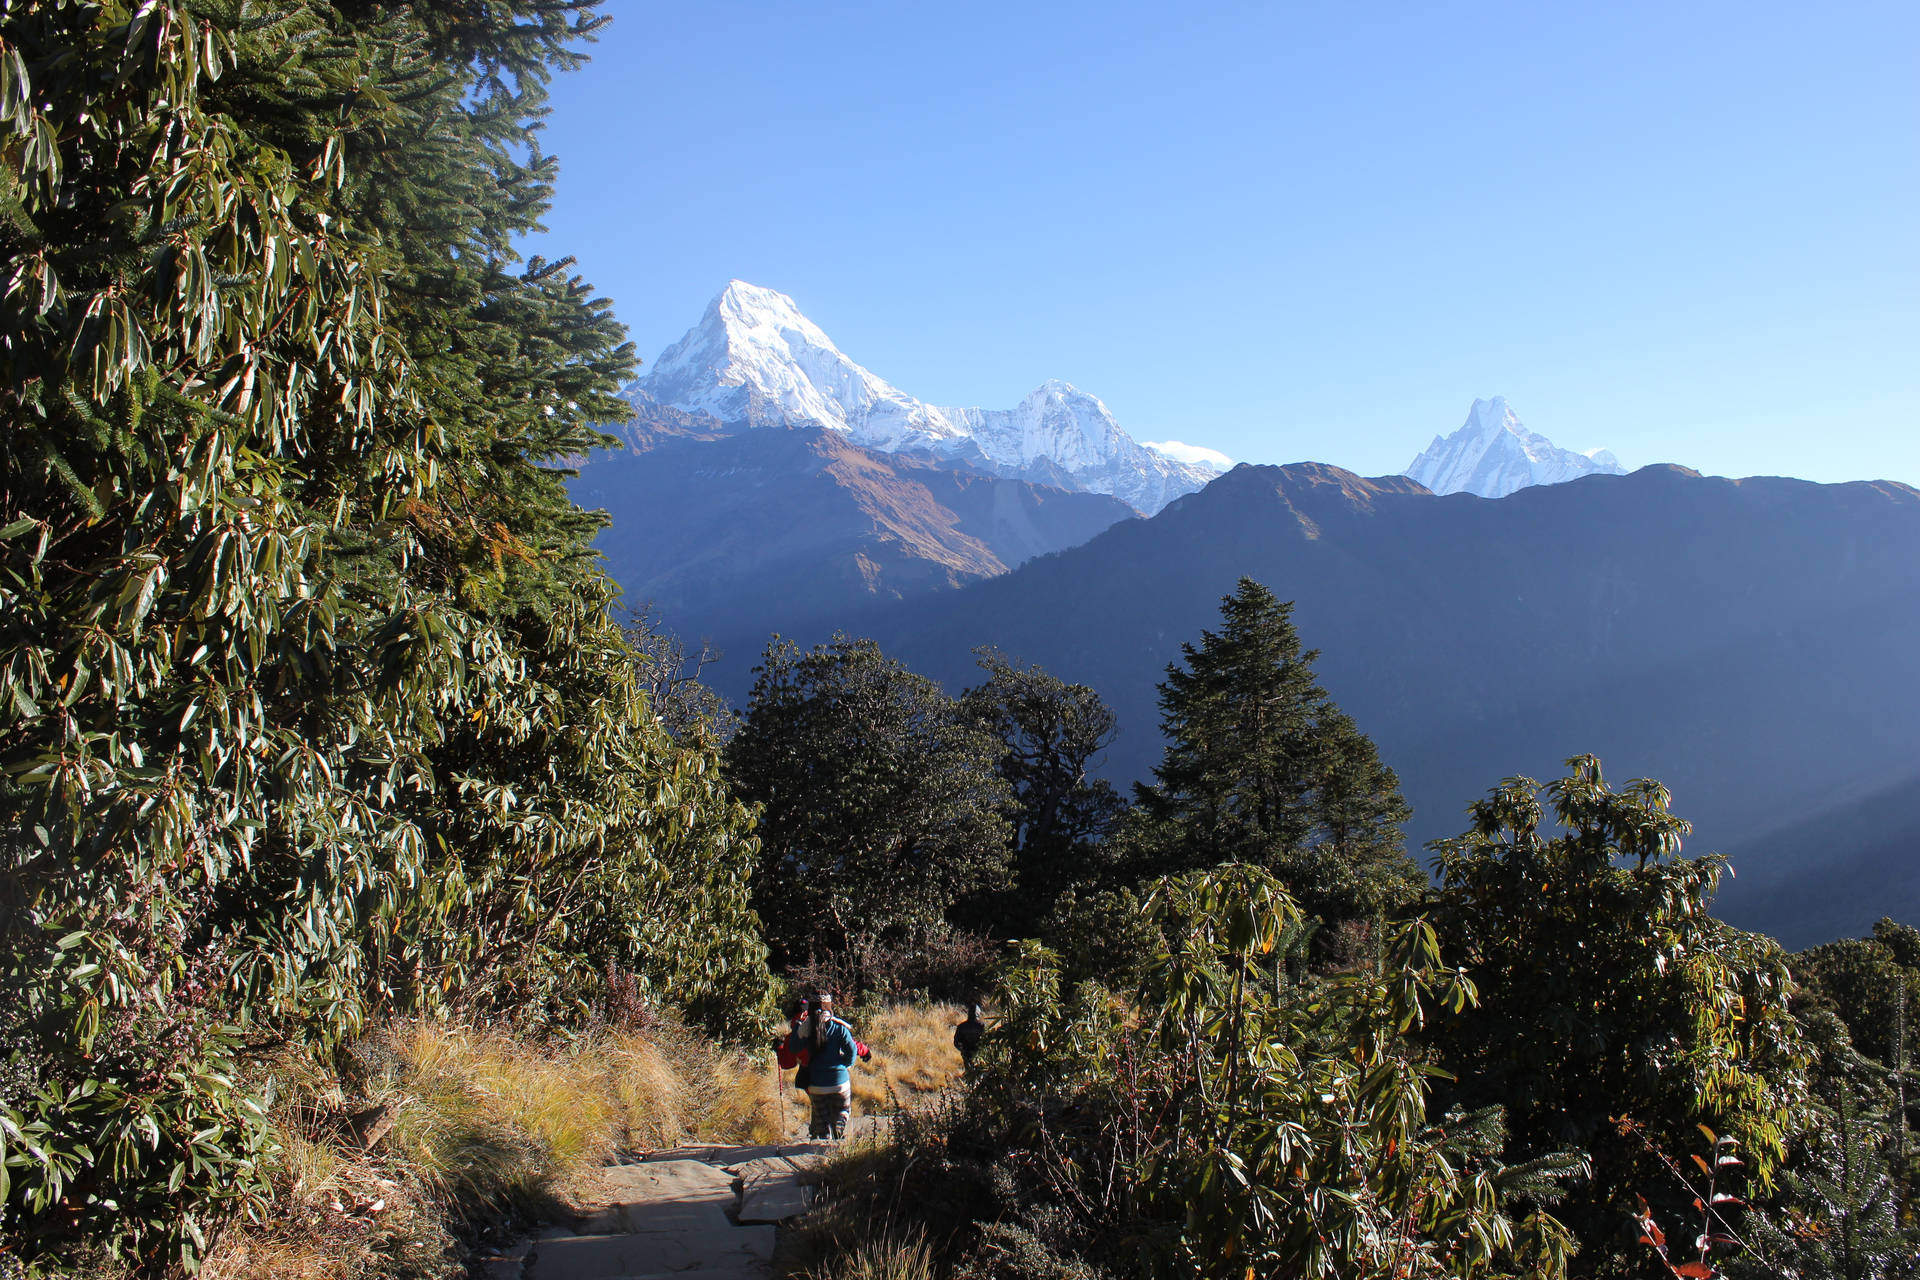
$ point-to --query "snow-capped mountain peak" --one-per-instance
(1494, 453)
(755, 359)
(1194, 455)
(765, 316)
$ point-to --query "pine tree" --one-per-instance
(1837, 1212)
(1261, 767)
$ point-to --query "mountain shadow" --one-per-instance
(731, 534)
(1747, 642)
(1835, 873)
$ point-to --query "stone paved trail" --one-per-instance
(702, 1213)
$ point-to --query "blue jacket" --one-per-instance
(827, 1062)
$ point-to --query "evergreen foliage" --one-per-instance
(1053, 734)
(1871, 987)
(1607, 991)
(882, 802)
(1261, 767)
(1840, 1209)
(1844, 1223)
(1903, 940)
(1100, 935)
(310, 704)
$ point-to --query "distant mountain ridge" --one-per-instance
(1747, 642)
(1494, 454)
(754, 360)
(732, 533)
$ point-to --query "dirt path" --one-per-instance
(697, 1212)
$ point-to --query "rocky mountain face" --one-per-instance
(732, 533)
(755, 361)
(1747, 642)
(1494, 454)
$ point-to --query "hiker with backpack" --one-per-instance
(825, 1047)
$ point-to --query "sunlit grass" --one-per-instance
(745, 1106)
(882, 1258)
(489, 1122)
(656, 1100)
(913, 1054)
(484, 1126)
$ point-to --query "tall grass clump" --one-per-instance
(426, 1139)
(743, 1103)
(882, 1259)
(901, 1208)
(489, 1124)
(677, 1087)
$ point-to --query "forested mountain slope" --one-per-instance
(1818, 876)
(1748, 642)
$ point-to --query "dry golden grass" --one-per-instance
(746, 1103)
(486, 1125)
(483, 1125)
(254, 1257)
(676, 1088)
(881, 1258)
(913, 1053)
(335, 1215)
(656, 1101)
(483, 1120)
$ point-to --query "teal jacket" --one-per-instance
(828, 1061)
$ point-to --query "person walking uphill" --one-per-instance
(828, 1048)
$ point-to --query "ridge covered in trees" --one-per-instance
(1239, 1033)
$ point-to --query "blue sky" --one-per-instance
(1683, 232)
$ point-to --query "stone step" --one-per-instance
(773, 1191)
(663, 1195)
(725, 1253)
(733, 1157)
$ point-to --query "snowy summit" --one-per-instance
(1196, 454)
(1494, 454)
(755, 359)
